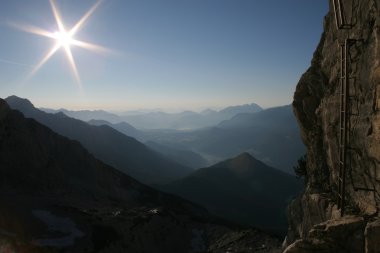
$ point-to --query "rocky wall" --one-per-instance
(317, 107)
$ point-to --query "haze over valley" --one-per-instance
(265, 134)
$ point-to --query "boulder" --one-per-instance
(344, 235)
(372, 237)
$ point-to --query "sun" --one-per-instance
(64, 39)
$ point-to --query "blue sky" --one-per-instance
(170, 54)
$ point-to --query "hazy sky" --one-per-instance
(171, 54)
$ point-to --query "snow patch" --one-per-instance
(57, 224)
(197, 242)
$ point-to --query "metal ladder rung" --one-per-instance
(339, 15)
(345, 100)
(363, 189)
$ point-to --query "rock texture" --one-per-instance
(317, 108)
(372, 236)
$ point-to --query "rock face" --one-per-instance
(372, 236)
(317, 108)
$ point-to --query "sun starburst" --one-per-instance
(64, 39)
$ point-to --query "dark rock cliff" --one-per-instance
(314, 218)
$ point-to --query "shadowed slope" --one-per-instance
(56, 197)
(242, 189)
(107, 144)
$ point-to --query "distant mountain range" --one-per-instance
(187, 119)
(241, 189)
(268, 118)
(56, 197)
(185, 157)
(162, 120)
(107, 144)
(122, 127)
(86, 115)
(271, 135)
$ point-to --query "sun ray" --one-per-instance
(57, 16)
(90, 46)
(73, 65)
(81, 22)
(44, 60)
(32, 29)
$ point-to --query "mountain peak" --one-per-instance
(244, 155)
(247, 108)
(243, 162)
(243, 159)
(14, 101)
(61, 115)
(244, 165)
(240, 189)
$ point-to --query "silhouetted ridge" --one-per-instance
(247, 108)
(61, 115)
(242, 160)
(56, 197)
(276, 117)
(242, 189)
(98, 122)
(107, 144)
(21, 103)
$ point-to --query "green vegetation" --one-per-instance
(300, 168)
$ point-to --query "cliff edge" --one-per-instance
(315, 222)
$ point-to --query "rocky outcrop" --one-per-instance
(348, 234)
(372, 236)
(317, 108)
(338, 235)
